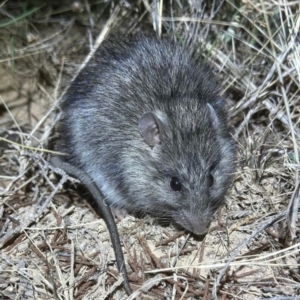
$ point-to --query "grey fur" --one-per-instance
(102, 131)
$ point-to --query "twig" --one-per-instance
(238, 250)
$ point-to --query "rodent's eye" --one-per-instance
(210, 180)
(175, 184)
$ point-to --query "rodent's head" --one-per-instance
(186, 164)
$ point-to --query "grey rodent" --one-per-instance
(145, 120)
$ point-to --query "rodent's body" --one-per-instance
(146, 122)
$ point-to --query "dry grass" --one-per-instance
(53, 246)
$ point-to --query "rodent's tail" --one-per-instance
(104, 209)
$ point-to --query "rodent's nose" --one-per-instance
(197, 223)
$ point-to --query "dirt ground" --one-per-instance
(53, 245)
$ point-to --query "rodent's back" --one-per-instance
(101, 111)
(126, 78)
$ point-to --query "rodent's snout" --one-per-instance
(195, 222)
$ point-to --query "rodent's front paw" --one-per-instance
(119, 214)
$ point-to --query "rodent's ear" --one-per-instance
(151, 127)
(213, 116)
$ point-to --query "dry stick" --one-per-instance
(245, 242)
(283, 298)
(279, 115)
(246, 120)
(15, 231)
(257, 94)
(295, 200)
(180, 251)
(170, 239)
(100, 38)
(158, 264)
(292, 211)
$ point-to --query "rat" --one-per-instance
(145, 122)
